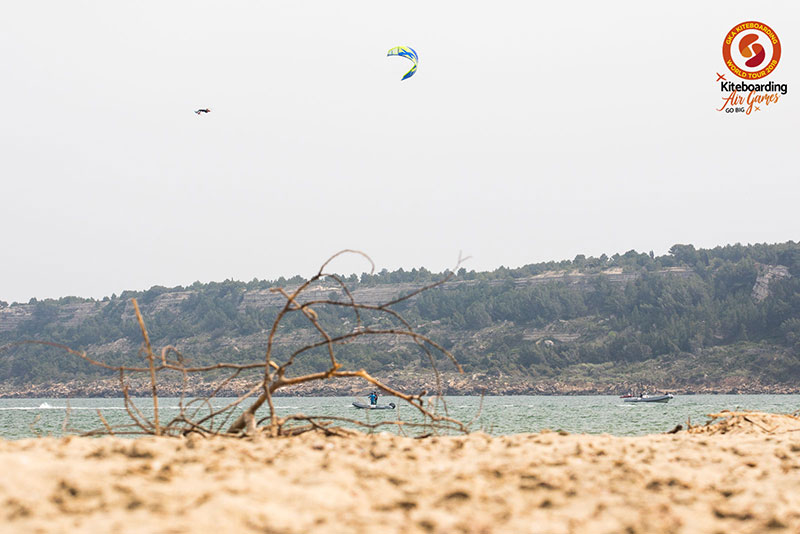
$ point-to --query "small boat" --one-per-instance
(650, 398)
(364, 406)
(627, 396)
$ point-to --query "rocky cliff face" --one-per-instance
(767, 275)
(72, 314)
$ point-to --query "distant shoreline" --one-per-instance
(451, 384)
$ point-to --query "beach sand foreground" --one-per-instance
(743, 476)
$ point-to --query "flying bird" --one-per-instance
(206, 110)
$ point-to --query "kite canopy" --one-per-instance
(406, 52)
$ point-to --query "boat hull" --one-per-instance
(653, 398)
(363, 406)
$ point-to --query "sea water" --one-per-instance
(23, 418)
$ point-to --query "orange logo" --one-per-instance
(751, 50)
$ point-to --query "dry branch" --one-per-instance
(213, 421)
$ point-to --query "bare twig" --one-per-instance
(105, 423)
(150, 364)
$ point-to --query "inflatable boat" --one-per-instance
(650, 398)
(365, 406)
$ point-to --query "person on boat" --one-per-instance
(373, 398)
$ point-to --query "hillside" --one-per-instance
(722, 319)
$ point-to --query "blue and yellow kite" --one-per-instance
(406, 52)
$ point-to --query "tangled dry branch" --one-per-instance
(238, 417)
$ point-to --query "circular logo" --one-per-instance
(751, 50)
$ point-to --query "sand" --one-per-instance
(741, 476)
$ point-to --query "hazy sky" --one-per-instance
(531, 131)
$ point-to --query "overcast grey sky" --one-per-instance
(531, 131)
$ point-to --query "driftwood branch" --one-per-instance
(199, 416)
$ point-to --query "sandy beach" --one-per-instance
(740, 476)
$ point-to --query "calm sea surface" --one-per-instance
(23, 418)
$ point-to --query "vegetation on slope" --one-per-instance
(692, 314)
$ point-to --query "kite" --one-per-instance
(406, 52)
(206, 110)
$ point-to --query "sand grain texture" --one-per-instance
(743, 480)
